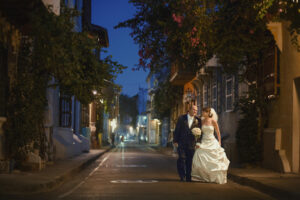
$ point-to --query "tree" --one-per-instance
(170, 31)
(277, 10)
(51, 50)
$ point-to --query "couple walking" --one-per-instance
(200, 160)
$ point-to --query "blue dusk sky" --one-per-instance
(108, 13)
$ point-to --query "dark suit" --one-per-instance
(186, 145)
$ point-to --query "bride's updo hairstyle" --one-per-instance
(208, 110)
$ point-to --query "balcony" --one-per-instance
(180, 76)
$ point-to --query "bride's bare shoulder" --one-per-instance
(214, 122)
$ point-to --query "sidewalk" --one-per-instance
(50, 177)
(277, 185)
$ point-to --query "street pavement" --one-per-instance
(49, 178)
(133, 171)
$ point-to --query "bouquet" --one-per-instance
(196, 132)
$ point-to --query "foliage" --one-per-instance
(128, 109)
(26, 104)
(68, 55)
(166, 96)
(276, 10)
(247, 138)
(238, 36)
(187, 32)
(170, 31)
(52, 50)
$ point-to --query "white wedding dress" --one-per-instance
(210, 163)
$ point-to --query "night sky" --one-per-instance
(108, 13)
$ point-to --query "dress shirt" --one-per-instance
(190, 120)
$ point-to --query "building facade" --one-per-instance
(283, 131)
(153, 124)
(141, 126)
(158, 129)
(72, 125)
(212, 87)
(68, 123)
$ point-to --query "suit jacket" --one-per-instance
(183, 134)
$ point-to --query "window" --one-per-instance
(3, 80)
(71, 3)
(75, 125)
(271, 72)
(229, 93)
(78, 6)
(205, 96)
(215, 96)
(65, 118)
(85, 116)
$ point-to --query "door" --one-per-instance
(3, 80)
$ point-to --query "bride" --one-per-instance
(210, 163)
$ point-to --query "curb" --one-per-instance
(44, 187)
(59, 180)
(269, 190)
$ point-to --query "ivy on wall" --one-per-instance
(166, 96)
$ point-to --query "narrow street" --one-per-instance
(133, 171)
(93, 93)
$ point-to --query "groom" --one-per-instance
(185, 142)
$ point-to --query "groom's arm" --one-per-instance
(177, 131)
(199, 122)
(200, 126)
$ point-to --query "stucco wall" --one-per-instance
(281, 110)
(55, 5)
(228, 122)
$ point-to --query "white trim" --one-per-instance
(205, 94)
(228, 79)
(215, 95)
